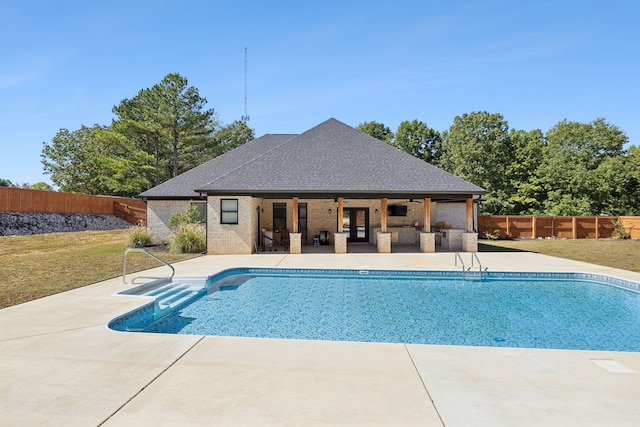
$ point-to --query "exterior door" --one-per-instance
(355, 222)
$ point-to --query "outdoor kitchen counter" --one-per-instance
(400, 235)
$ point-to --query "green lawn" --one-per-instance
(33, 267)
(623, 254)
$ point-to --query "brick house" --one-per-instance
(329, 185)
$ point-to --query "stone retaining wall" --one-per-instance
(16, 224)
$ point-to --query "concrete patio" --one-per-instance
(61, 365)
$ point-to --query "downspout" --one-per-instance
(206, 223)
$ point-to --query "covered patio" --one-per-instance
(342, 225)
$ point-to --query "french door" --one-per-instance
(355, 222)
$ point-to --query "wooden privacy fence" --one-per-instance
(21, 200)
(134, 214)
(563, 227)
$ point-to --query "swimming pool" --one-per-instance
(530, 310)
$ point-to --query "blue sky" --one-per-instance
(67, 63)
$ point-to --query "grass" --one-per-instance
(36, 266)
(616, 253)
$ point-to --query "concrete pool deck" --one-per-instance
(61, 365)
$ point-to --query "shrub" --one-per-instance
(619, 232)
(188, 216)
(492, 236)
(188, 239)
(139, 238)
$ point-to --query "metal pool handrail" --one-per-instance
(474, 255)
(458, 257)
(144, 251)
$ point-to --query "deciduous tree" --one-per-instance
(525, 194)
(70, 159)
(478, 148)
(419, 140)
(95, 160)
(232, 136)
(570, 174)
(377, 130)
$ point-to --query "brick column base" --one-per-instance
(295, 243)
(340, 243)
(427, 242)
(470, 242)
(384, 242)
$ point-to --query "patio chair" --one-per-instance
(282, 241)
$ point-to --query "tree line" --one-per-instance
(572, 169)
(156, 135)
(37, 186)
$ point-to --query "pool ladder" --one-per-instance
(465, 270)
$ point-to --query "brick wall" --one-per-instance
(158, 213)
(453, 213)
(240, 238)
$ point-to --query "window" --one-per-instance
(279, 216)
(229, 211)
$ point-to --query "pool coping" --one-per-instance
(60, 364)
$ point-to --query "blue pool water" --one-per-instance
(532, 310)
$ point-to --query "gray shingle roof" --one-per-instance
(184, 185)
(329, 159)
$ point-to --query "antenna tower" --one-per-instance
(245, 117)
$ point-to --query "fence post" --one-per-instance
(574, 231)
(533, 227)
(508, 228)
(597, 226)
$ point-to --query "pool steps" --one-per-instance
(170, 294)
